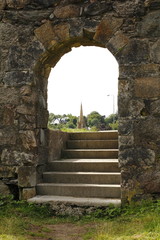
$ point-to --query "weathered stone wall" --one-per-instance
(57, 141)
(33, 37)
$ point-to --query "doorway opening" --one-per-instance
(87, 76)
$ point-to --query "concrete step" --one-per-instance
(81, 177)
(104, 135)
(98, 202)
(92, 144)
(90, 153)
(84, 165)
(80, 190)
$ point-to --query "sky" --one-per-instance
(87, 75)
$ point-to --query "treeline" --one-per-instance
(93, 121)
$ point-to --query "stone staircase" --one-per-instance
(88, 173)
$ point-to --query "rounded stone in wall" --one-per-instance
(4, 189)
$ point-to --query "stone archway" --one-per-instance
(34, 37)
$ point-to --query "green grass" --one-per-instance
(138, 221)
(79, 130)
(20, 220)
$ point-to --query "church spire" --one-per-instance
(81, 123)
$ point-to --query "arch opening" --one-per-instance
(87, 75)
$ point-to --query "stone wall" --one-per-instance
(33, 37)
(57, 142)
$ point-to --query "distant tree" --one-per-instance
(111, 118)
(111, 121)
(114, 126)
(70, 125)
(94, 119)
(72, 119)
(62, 121)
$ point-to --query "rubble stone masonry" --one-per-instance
(34, 35)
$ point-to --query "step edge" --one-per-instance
(91, 150)
(75, 200)
(93, 140)
(79, 185)
(83, 173)
(85, 160)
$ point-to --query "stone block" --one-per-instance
(8, 172)
(45, 33)
(3, 55)
(27, 176)
(4, 189)
(125, 87)
(57, 141)
(30, 100)
(17, 4)
(97, 7)
(42, 155)
(154, 108)
(150, 181)
(42, 102)
(42, 118)
(131, 191)
(40, 170)
(17, 78)
(27, 193)
(27, 122)
(149, 26)
(19, 59)
(107, 27)
(9, 96)
(147, 87)
(2, 4)
(132, 108)
(124, 104)
(8, 136)
(137, 157)
(125, 142)
(89, 29)
(129, 8)
(25, 90)
(36, 49)
(49, 35)
(155, 52)
(43, 3)
(15, 158)
(8, 33)
(65, 2)
(117, 42)
(62, 32)
(154, 4)
(26, 109)
(27, 18)
(28, 139)
(43, 140)
(75, 29)
(8, 115)
(136, 52)
(147, 132)
(1, 116)
(69, 11)
(125, 97)
(137, 108)
(125, 127)
(140, 70)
